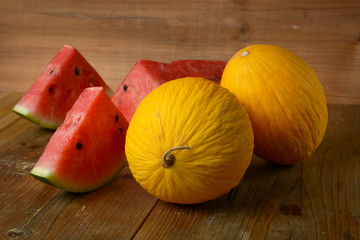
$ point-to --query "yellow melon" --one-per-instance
(189, 141)
(284, 99)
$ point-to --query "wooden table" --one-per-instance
(318, 198)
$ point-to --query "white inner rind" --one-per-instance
(27, 114)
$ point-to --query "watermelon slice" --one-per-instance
(53, 94)
(147, 75)
(87, 150)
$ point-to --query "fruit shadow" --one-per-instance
(260, 193)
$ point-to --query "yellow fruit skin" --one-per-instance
(190, 112)
(284, 99)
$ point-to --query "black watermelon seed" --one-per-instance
(116, 118)
(79, 145)
(50, 89)
(76, 71)
(125, 87)
(120, 130)
(51, 72)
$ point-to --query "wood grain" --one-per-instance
(112, 35)
(318, 198)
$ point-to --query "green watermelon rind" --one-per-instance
(26, 113)
(43, 175)
(47, 176)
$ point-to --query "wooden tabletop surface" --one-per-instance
(318, 198)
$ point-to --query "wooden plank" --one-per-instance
(32, 210)
(112, 35)
(318, 198)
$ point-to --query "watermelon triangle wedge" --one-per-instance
(146, 75)
(87, 150)
(53, 94)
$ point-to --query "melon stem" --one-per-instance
(168, 159)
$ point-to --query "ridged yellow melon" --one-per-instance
(189, 141)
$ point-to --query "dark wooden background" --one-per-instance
(318, 198)
(112, 35)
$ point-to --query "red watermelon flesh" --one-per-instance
(48, 100)
(147, 75)
(87, 150)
